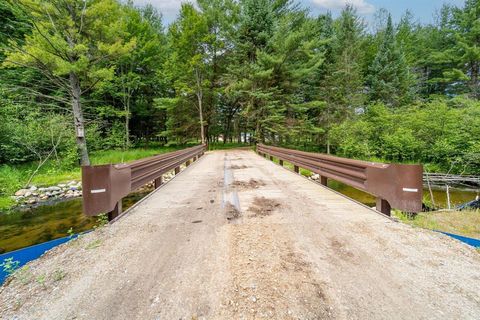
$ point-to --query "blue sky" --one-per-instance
(422, 9)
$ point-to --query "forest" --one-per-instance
(79, 76)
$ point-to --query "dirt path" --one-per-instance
(237, 237)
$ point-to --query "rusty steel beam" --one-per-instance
(394, 185)
(105, 186)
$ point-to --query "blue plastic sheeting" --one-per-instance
(470, 241)
(30, 253)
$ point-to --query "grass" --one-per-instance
(14, 177)
(290, 166)
(465, 223)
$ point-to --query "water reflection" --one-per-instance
(457, 196)
(23, 228)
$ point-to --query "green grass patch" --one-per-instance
(465, 223)
(290, 166)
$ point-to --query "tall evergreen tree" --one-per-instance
(390, 78)
(343, 87)
(465, 54)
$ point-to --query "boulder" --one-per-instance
(62, 185)
(21, 192)
(33, 188)
(27, 194)
(32, 201)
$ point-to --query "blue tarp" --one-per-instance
(470, 241)
(30, 253)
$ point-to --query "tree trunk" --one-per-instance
(78, 120)
(200, 106)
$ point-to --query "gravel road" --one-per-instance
(237, 237)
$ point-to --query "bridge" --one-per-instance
(236, 236)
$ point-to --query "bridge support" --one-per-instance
(116, 212)
(280, 162)
(177, 170)
(271, 158)
(383, 206)
(158, 182)
(323, 180)
(187, 163)
(296, 169)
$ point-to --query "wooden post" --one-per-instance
(383, 206)
(177, 170)
(448, 198)
(158, 182)
(323, 180)
(280, 162)
(271, 158)
(296, 169)
(116, 211)
(188, 163)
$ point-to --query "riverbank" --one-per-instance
(465, 223)
(16, 177)
(57, 172)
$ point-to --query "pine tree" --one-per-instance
(343, 87)
(390, 79)
(465, 54)
(72, 50)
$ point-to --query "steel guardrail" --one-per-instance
(104, 186)
(394, 185)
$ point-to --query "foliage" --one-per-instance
(465, 223)
(232, 72)
(9, 266)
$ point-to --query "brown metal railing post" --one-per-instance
(158, 182)
(116, 212)
(296, 169)
(383, 206)
(323, 180)
(177, 170)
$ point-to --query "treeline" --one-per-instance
(112, 75)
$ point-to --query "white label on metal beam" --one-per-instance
(98, 191)
(410, 190)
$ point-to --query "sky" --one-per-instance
(422, 9)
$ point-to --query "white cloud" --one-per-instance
(362, 6)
